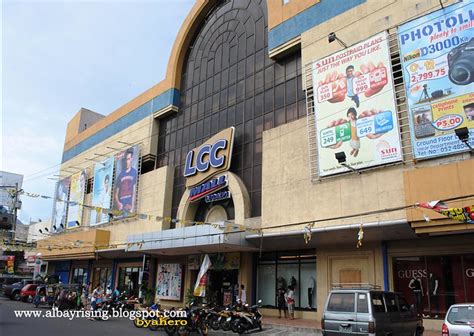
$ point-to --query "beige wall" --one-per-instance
(334, 260)
(288, 195)
(138, 132)
(370, 18)
(279, 12)
(154, 198)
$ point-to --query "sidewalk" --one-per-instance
(308, 326)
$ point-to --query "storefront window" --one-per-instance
(266, 277)
(297, 269)
(101, 276)
(468, 263)
(433, 283)
(128, 280)
(79, 276)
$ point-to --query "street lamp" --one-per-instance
(332, 37)
(341, 158)
(463, 135)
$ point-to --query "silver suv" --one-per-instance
(459, 320)
(369, 312)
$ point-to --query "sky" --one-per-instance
(59, 56)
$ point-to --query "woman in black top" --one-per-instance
(281, 301)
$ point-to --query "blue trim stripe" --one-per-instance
(307, 19)
(169, 97)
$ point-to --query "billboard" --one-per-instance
(102, 190)
(126, 179)
(355, 107)
(76, 199)
(437, 52)
(61, 197)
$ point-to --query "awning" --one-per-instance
(117, 254)
(334, 235)
(189, 240)
(73, 245)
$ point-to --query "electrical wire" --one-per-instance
(91, 244)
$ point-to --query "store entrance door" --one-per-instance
(223, 286)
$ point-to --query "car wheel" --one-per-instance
(16, 296)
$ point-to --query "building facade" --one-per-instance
(232, 155)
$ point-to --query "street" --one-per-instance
(15, 326)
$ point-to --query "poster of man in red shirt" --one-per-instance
(126, 178)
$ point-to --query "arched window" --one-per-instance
(229, 80)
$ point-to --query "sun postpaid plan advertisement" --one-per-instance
(355, 107)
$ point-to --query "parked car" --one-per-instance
(13, 291)
(28, 292)
(459, 320)
(364, 311)
(6, 280)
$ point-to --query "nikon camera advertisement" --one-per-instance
(437, 52)
(355, 107)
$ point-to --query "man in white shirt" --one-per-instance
(243, 294)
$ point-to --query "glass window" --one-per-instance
(391, 302)
(308, 285)
(341, 302)
(433, 283)
(266, 274)
(79, 276)
(128, 279)
(228, 65)
(377, 303)
(293, 268)
(468, 274)
(362, 304)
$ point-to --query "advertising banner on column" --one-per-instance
(437, 52)
(125, 185)
(61, 198)
(102, 191)
(355, 107)
(76, 199)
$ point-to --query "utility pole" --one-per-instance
(15, 208)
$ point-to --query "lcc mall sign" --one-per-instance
(206, 161)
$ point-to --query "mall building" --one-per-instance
(289, 141)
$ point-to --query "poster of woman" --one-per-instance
(169, 281)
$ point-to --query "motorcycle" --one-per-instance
(213, 317)
(249, 319)
(196, 321)
(159, 317)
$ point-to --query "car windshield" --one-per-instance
(461, 315)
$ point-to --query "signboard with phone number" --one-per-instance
(437, 52)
